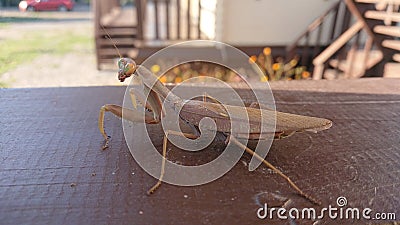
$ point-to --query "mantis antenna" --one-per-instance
(112, 41)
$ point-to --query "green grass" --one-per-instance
(15, 52)
(5, 20)
(4, 25)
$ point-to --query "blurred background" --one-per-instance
(51, 43)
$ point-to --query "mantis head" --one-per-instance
(127, 67)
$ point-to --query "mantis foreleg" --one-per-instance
(134, 116)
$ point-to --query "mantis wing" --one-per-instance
(251, 121)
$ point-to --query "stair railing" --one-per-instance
(349, 33)
(354, 31)
(331, 20)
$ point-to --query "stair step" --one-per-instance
(332, 74)
(106, 27)
(119, 16)
(120, 31)
(111, 52)
(109, 55)
(379, 15)
(109, 60)
(394, 44)
(392, 70)
(387, 30)
(379, 1)
(356, 66)
(117, 41)
(396, 57)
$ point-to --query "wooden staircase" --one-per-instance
(383, 18)
(112, 20)
(355, 64)
(387, 14)
(363, 38)
(144, 28)
(366, 43)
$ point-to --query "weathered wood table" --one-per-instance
(53, 171)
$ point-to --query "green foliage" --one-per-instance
(8, 20)
(83, 1)
(8, 3)
(126, 2)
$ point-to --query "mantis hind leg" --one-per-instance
(164, 154)
(209, 97)
(258, 105)
(280, 173)
(222, 110)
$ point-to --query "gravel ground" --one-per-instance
(76, 68)
(71, 69)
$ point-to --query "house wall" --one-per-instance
(266, 22)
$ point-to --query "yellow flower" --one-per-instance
(305, 74)
(253, 59)
(267, 51)
(276, 66)
(264, 79)
(176, 70)
(163, 79)
(155, 68)
(293, 62)
(178, 79)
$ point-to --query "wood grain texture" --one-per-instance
(52, 169)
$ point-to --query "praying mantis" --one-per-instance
(193, 111)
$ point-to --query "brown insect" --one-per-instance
(193, 111)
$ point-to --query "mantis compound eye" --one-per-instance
(130, 68)
(126, 68)
(121, 63)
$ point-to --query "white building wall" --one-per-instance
(266, 22)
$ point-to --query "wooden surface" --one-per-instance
(53, 171)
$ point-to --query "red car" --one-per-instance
(41, 5)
